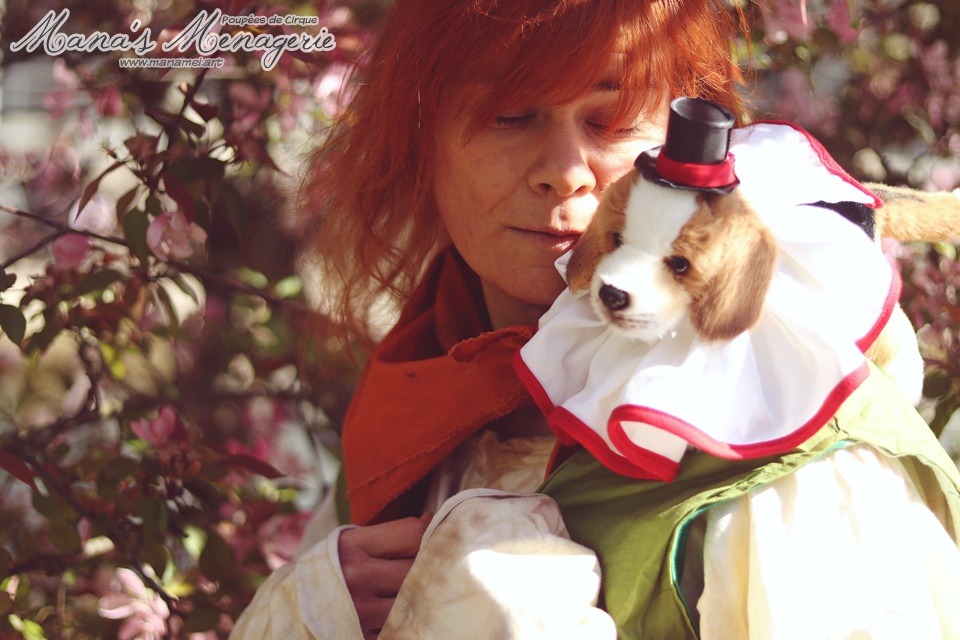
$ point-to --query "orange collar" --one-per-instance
(436, 378)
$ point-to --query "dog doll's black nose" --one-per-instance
(613, 298)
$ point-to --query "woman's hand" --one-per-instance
(375, 560)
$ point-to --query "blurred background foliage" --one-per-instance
(169, 404)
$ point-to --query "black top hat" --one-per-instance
(696, 154)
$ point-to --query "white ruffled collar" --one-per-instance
(638, 407)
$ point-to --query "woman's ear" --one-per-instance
(731, 301)
(597, 239)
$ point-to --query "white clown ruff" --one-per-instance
(638, 407)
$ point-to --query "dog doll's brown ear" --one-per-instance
(597, 239)
(731, 301)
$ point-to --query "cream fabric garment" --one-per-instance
(309, 600)
(515, 465)
(843, 548)
(304, 600)
(500, 565)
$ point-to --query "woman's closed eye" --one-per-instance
(507, 122)
(625, 132)
(510, 121)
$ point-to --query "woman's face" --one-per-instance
(517, 195)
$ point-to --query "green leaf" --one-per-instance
(33, 631)
(289, 287)
(163, 299)
(54, 510)
(152, 512)
(22, 592)
(92, 187)
(6, 561)
(12, 322)
(115, 365)
(97, 281)
(6, 279)
(208, 111)
(152, 205)
(253, 278)
(40, 340)
(177, 190)
(233, 205)
(19, 470)
(156, 555)
(183, 285)
(211, 172)
(919, 120)
(193, 128)
(945, 409)
(204, 617)
(193, 540)
(253, 465)
(135, 225)
(216, 559)
(124, 202)
(64, 537)
(936, 384)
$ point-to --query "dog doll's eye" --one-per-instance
(617, 240)
(678, 264)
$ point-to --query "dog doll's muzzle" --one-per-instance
(612, 298)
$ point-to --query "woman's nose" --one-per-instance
(563, 164)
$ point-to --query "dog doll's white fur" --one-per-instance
(653, 255)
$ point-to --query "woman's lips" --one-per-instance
(548, 239)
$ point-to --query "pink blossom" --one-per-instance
(248, 102)
(143, 612)
(280, 536)
(62, 99)
(56, 181)
(332, 89)
(944, 176)
(245, 130)
(109, 103)
(787, 18)
(215, 310)
(97, 216)
(172, 235)
(70, 250)
(247, 97)
(839, 20)
(166, 427)
(798, 102)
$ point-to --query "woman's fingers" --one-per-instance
(375, 560)
(376, 578)
(373, 613)
(394, 539)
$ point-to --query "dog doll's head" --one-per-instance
(654, 254)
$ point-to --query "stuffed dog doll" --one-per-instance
(744, 281)
(708, 256)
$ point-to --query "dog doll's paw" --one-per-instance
(897, 354)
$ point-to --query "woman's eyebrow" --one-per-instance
(607, 85)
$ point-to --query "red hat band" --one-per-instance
(697, 176)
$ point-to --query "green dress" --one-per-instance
(638, 528)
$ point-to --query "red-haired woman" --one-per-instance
(469, 160)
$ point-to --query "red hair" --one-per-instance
(368, 187)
